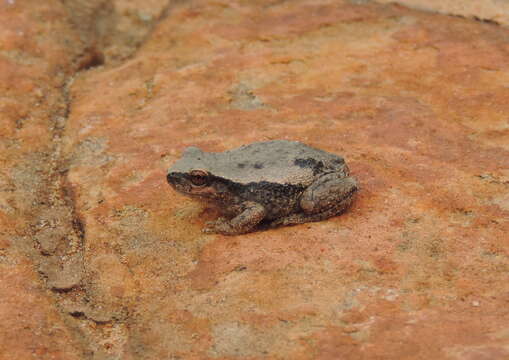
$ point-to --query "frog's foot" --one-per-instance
(329, 196)
(251, 215)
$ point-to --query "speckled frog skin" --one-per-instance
(265, 184)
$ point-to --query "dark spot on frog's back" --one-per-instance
(258, 166)
(241, 165)
(310, 163)
(305, 163)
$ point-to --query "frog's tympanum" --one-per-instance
(265, 184)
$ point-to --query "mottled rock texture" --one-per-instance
(485, 10)
(38, 51)
(101, 260)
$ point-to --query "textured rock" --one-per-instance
(113, 29)
(31, 327)
(38, 51)
(484, 10)
(416, 103)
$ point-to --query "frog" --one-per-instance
(265, 184)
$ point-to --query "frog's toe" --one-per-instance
(215, 226)
(207, 230)
(215, 222)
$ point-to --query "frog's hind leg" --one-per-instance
(328, 196)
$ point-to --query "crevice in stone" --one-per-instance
(69, 197)
(58, 247)
(486, 21)
(94, 58)
(91, 19)
(164, 13)
(81, 315)
(111, 36)
(470, 18)
(56, 233)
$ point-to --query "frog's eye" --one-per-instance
(198, 177)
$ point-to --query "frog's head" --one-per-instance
(192, 176)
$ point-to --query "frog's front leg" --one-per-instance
(328, 196)
(251, 213)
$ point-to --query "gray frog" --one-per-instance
(265, 184)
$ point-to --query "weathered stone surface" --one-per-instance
(113, 29)
(38, 52)
(416, 103)
(31, 327)
(484, 10)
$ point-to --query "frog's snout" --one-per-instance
(178, 182)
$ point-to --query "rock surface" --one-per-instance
(484, 10)
(38, 51)
(101, 260)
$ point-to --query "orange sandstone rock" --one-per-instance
(417, 268)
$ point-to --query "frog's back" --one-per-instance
(277, 161)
